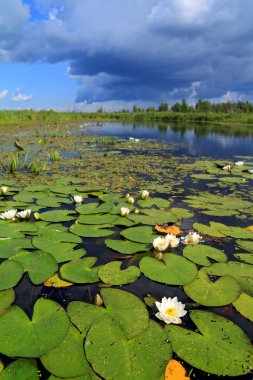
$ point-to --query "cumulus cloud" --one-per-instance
(3, 94)
(130, 50)
(18, 97)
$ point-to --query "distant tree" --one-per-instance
(184, 106)
(150, 109)
(163, 107)
(176, 107)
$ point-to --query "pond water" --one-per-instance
(197, 139)
(183, 168)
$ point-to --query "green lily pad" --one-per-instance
(247, 245)
(244, 304)
(149, 202)
(153, 217)
(113, 356)
(7, 297)
(172, 269)
(200, 254)
(236, 232)
(17, 230)
(91, 231)
(181, 213)
(10, 247)
(80, 271)
(97, 219)
(139, 234)
(112, 274)
(20, 336)
(53, 201)
(221, 347)
(123, 307)
(241, 272)
(212, 230)
(11, 273)
(93, 208)
(21, 369)
(126, 247)
(39, 265)
(29, 197)
(246, 257)
(67, 359)
(57, 216)
(221, 292)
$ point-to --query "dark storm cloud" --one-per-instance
(152, 50)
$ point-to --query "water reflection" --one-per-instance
(210, 140)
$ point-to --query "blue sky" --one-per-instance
(86, 54)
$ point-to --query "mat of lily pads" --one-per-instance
(86, 289)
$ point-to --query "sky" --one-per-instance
(81, 55)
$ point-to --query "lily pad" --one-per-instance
(112, 274)
(7, 297)
(93, 208)
(247, 245)
(139, 234)
(153, 217)
(10, 247)
(126, 247)
(20, 336)
(91, 231)
(80, 271)
(97, 219)
(68, 358)
(172, 269)
(57, 216)
(221, 292)
(149, 202)
(244, 304)
(212, 230)
(10, 274)
(113, 356)
(21, 369)
(246, 257)
(241, 272)
(200, 254)
(123, 307)
(221, 347)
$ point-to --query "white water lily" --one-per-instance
(250, 171)
(227, 167)
(8, 215)
(172, 240)
(144, 194)
(4, 190)
(192, 238)
(25, 214)
(160, 244)
(239, 163)
(124, 211)
(78, 198)
(170, 310)
(127, 195)
(131, 200)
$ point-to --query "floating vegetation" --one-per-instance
(81, 277)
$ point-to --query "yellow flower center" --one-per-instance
(171, 312)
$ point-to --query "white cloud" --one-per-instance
(18, 97)
(3, 94)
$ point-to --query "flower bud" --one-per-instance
(131, 200)
(144, 194)
(4, 190)
(98, 301)
(36, 216)
(124, 211)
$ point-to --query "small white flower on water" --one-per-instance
(239, 163)
(36, 216)
(8, 215)
(4, 190)
(136, 140)
(192, 238)
(130, 200)
(25, 214)
(172, 240)
(131, 138)
(160, 244)
(124, 211)
(227, 167)
(170, 310)
(78, 198)
(144, 194)
(250, 171)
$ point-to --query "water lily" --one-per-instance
(226, 167)
(127, 195)
(4, 190)
(160, 244)
(250, 171)
(78, 198)
(172, 240)
(170, 310)
(124, 211)
(144, 194)
(239, 163)
(130, 200)
(192, 238)
(8, 215)
(25, 214)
